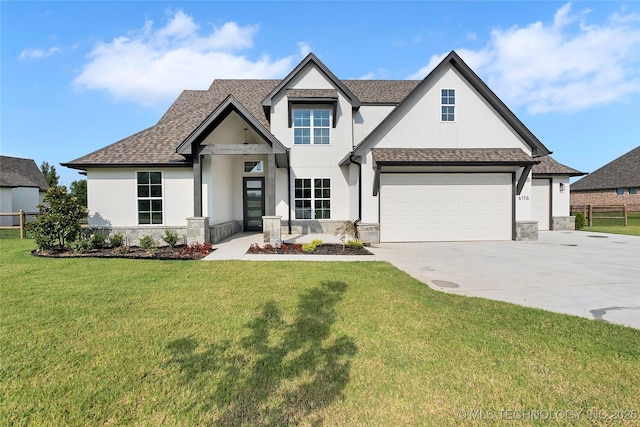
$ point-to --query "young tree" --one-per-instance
(78, 189)
(49, 172)
(59, 222)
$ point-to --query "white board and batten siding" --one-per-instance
(446, 207)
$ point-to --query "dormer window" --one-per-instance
(311, 126)
(448, 105)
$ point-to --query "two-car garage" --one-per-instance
(446, 206)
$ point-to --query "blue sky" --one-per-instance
(77, 76)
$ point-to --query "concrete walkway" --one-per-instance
(593, 275)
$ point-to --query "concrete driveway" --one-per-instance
(592, 275)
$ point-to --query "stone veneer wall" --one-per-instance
(526, 230)
(220, 232)
(215, 234)
(133, 235)
(563, 223)
(606, 198)
(369, 233)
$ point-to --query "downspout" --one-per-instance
(289, 193)
(353, 161)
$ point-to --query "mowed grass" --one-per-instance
(141, 342)
(616, 226)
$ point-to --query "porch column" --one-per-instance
(197, 181)
(270, 184)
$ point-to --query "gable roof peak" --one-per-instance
(311, 58)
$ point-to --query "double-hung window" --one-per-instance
(313, 198)
(448, 105)
(149, 197)
(311, 126)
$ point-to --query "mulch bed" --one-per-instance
(324, 249)
(132, 252)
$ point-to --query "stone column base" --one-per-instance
(526, 230)
(272, 229)
(564, 223)
(198, 230)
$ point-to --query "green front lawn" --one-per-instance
(126, 342)
(616, 226)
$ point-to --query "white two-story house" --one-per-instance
(438, 159)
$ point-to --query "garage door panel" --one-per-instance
(444, 207)
(541, 195)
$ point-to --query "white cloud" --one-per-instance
(568, 65)
(152, 66)
(38, 53)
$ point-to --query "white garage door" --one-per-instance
(541, 199)
(445, 207)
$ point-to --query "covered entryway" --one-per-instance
(541, 195)
(418, 207)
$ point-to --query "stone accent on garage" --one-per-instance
(563, 223)
(526, 230)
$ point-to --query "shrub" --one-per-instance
(199, 249)
(98, 239)
(170, 237)
(59, 222)
(348, 231)
(355, 244)
(317, 242)
(148, 244)
(580, 221)
(308, 247)
(81, 245)
(116, 240)
(122, 250)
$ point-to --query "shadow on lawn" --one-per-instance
(282, 372)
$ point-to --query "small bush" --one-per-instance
(122, 250)
(580, 221)
(81, 245)
(308, 247)
(317, 242)
(200, 249)
(98, 239)
(355, 244)
(170, 237)
(148, 244)
(116, 240)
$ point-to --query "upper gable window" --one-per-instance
(448, 105)
(311, 126)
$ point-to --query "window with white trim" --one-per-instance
(311, 126)
(448, 105)
(253, 166)
(149, 197)
(312, 198)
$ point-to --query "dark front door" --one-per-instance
(253, 198)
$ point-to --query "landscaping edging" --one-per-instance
(178, 253)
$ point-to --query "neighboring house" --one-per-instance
(438, 159)
(614, 184)
(22, 186)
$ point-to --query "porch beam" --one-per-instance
(217, 149)
(197, 181)
(270, 186)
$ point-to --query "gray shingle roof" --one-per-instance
(157, 144)
(451, 155)
(17, 172)
(549, 166)
(621, 172)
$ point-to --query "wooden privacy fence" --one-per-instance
(592, 212)
(22, 215)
